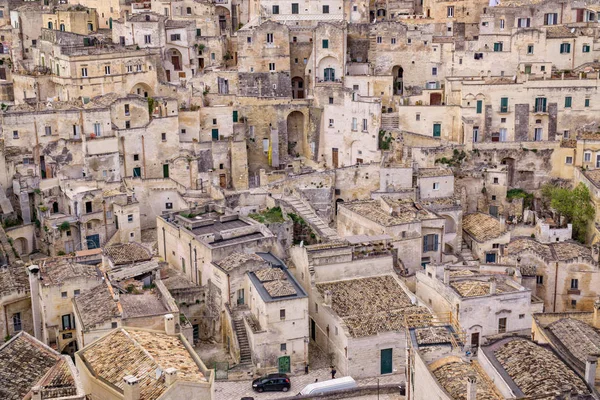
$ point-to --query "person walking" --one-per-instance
(333, 372)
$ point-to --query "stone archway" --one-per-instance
(224, 17)
(21, 245)
(295, 133)
(398, 75)
(142, 89)
(174, 56)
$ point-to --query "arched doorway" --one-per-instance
(295, 131)
(174, 56)
(142, 89)
(224, 18)
(297, 88)
(328, 69)
(22, 246)
(337, 204)
(398, 75)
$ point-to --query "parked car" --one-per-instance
(332, 385)
(272, 382)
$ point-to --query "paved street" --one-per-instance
(235, 390)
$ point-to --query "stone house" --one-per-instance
(485, 235)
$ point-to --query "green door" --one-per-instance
(235, 116)
(284, 364)
(215, 134)
(165, 170)
(479, 106)
(110, 23)
(386, 361)
(137, 172)
(437, 130)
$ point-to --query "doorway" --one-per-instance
(334, 157)
(386, 361)
(223, 181)
(284, 364)
(93, 241)
(475, 340)
(313, 330)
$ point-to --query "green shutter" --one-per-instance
(568, 101)
(215, 134)
(425, 243)
(437, 130)
(235, 116)
(504, 104)
(325, 43)
(165, 170)
(587, 102)
(479, 106)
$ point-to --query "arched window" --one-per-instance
(62, 27)
(50, 25)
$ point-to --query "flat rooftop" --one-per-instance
(370, 305)
(275, 283)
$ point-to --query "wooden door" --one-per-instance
(334, 157)
(223, 181)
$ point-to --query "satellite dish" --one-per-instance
(572, 30)
(158, 372)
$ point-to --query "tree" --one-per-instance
(573, 204)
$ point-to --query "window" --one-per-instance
(282, 314)
(540, 104)
(354, 124)
(325, 43)
(574, 303)
(434, 71)
(147, 39)
(502, 24)
(504, 104)
(379, 39)
(130, 218)
(113, 325)
(393, 41)
(107, 70)
(76, 292)
(15, 134)
(524, 22)
(539, 279)
(63, 295)
(198, 32)
(574, 284)
(493, 197)
(126, 109)
(84, 72)
(354, 8)
(294, 8)
(331, 100)
(364, 125)
(272, 67)
(169, 206)
(587, 157)
(568, 101)
(436, 186)
(450, 11)
(586, 48)
(430, 243)
(587, 102)
(316, 308)
(418, 116)
(498, 46)
(269, 38)
(409, 40)
(490, 258)
(163, 137)
(283, 347)
(569, 160)
(496, 181)
(17, 325)
(550, 19)
(543, 68)
(175, 37)
(325, 9)
(565, 48)
(479, 107)
(136, 157)
(275, 9)
(330, 123)
(502, 325)
(127, 124)
(188, 10)
(48, 130)
(530, 49)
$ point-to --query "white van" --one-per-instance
(333, 385)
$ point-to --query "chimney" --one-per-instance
(596, 318)
(36, 393)
(502, 222)
(590, 369)
(34, 288)
(170, 324)
(493, 284)
(131, 389)
(446, 276)
(327, 297)
(170, 376)
(471, 387)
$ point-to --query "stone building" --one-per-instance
(485, 235)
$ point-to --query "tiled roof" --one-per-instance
(25, 362)
(432, 172)
(560, 251)
(269, 274)
(139, 353)
(236, 260)
(566, 251)
(14, 278)
(453, 378)
(141, 305)
(433, 335)
(593, 176)
(57, 271)
(127, 253)
(559, 31)
(577, 337)
(482, 227)
(527, 245)
(536, 370)
(370, 305)
(404, 211)
(96, 306)
(473, 288)
(279, 288)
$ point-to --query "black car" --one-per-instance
(272, 382)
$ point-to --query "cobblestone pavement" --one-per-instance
(235, 390)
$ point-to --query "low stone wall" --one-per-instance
(355, 392)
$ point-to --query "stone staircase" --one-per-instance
(466, 255)
(390, 121)
(309, 215)
(242, 337)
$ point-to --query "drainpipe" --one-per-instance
(164, 243)
(555, 286)
(144, 157)
(229, 290)
(105, 226)
(124, 157)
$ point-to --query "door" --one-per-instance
(284, 364)
(168, 75)
(66, 322)
(475, 134)
(215, 134)
(502, 325)
(3, 73)
(165, 170)
(176, 62)
(201, 63)
(240, 299)
(329, 74)
(437, 130)
(475, 340)
(597, 160)
(137, 172)
(196, 332)
(235, 116)
(386, 361)
(313, 329)
(55, 207)
(435, 99)
(93, 241)
(223, 181)
(494, 211)
(110, 23)
(334, 157)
